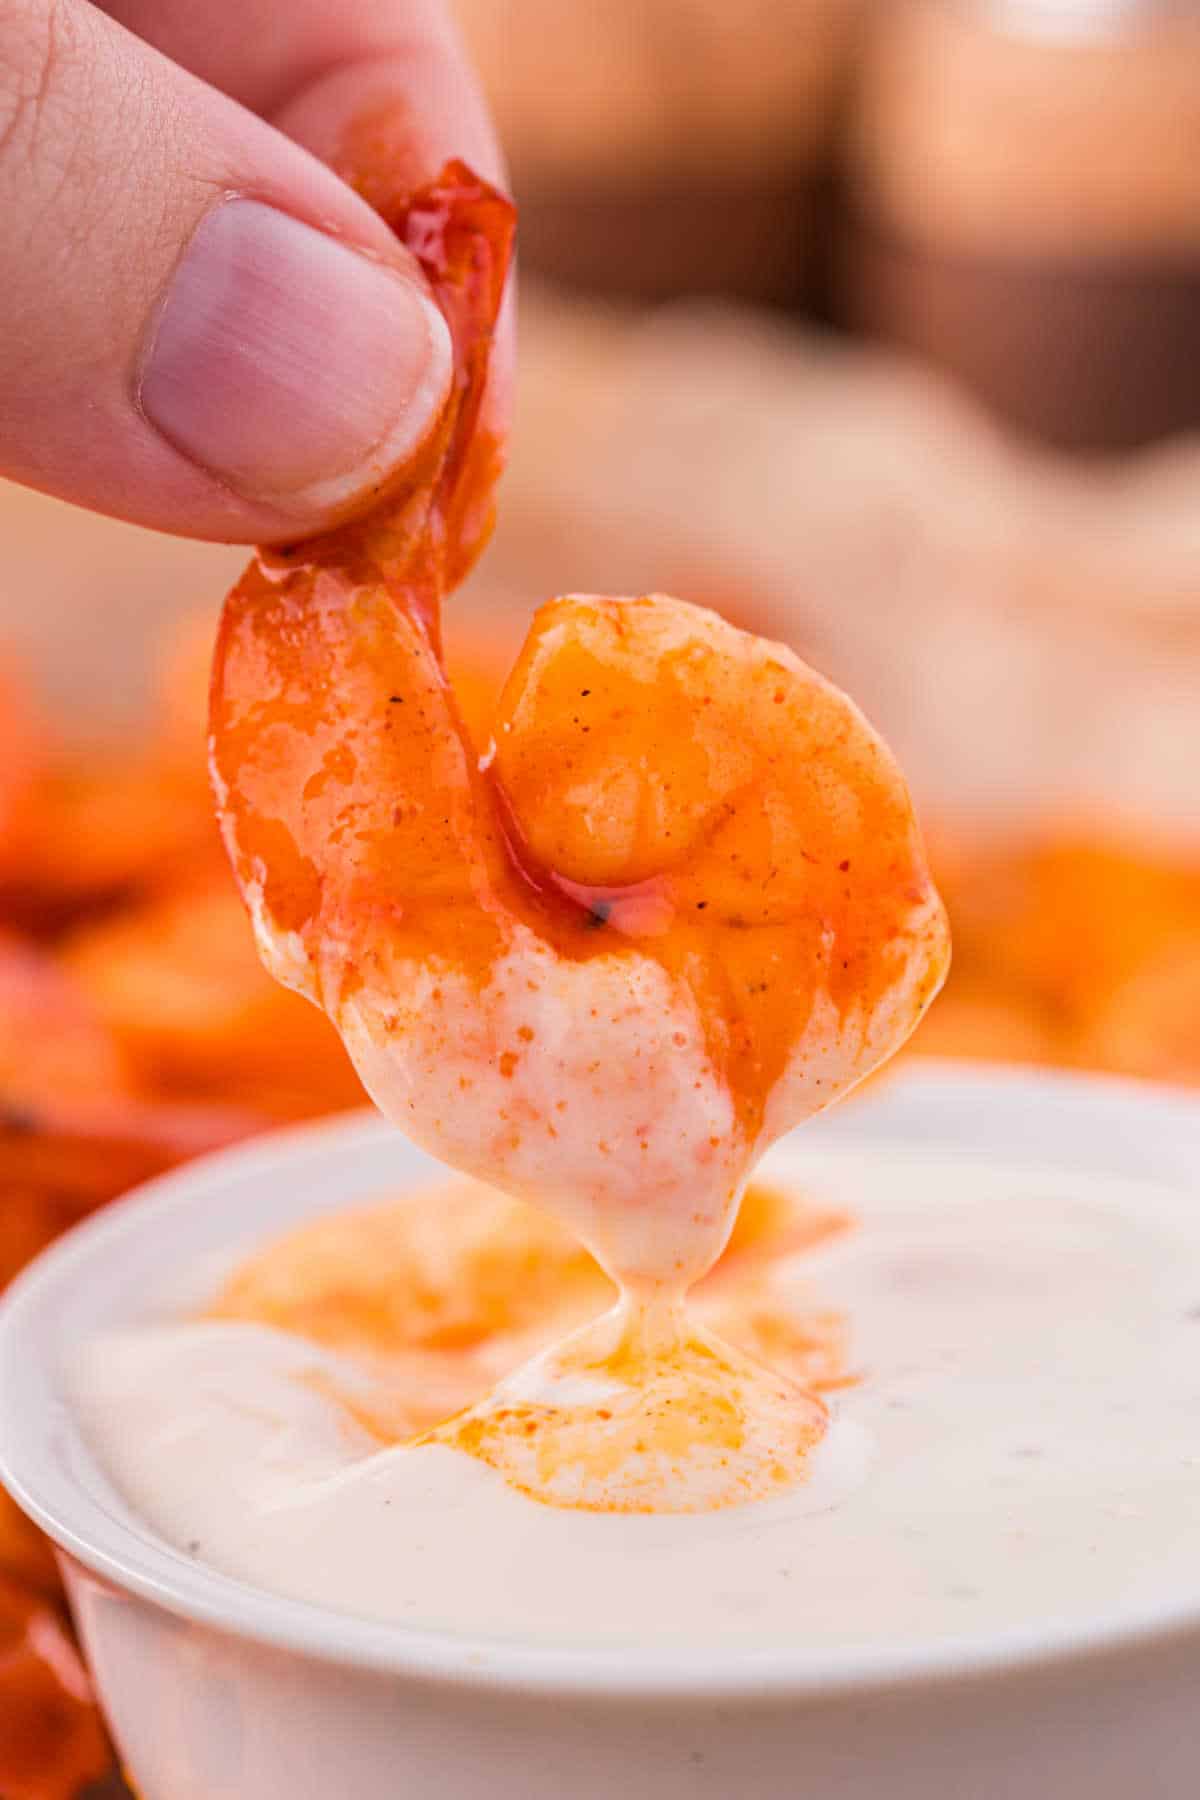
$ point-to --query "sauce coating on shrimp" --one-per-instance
(679, 905)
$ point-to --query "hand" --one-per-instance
(201, 328)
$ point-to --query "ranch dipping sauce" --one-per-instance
(1020, 1449)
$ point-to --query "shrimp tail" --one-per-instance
(462, 232)
(327, 687)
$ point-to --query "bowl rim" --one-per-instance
(39, 1478)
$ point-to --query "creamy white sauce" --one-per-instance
(1024, 1447)
(607, 1112)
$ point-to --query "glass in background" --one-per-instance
(663, 148)
(1025, 207)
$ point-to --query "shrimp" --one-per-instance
(679, 904)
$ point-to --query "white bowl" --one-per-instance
(215, 1689)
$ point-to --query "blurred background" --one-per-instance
(877, 327)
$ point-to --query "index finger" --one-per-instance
(306, 66)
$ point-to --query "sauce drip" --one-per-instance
(679, 904)
(445, 1295)
(643, 1412)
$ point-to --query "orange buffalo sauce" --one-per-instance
(442, 1295)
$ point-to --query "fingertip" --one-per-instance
(410, 111)
(405, 114)
(291, 367)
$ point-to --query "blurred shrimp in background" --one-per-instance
(804, 340)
